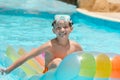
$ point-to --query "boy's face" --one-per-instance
(62, 29)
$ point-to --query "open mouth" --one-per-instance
(62, 34)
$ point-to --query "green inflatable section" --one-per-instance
(88, 65)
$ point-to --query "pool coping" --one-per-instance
(98, 15)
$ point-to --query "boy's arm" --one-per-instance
(24, 58)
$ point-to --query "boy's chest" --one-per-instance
(61, 52)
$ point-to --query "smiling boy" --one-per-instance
(55, 49)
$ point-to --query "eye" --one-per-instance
(66, 27)
(58, 28)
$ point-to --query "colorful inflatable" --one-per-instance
(87, 66)
(31, 67)
(81, 66)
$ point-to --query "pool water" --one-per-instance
(30, 31)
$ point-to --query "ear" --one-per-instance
(53, 30)
(71, 28)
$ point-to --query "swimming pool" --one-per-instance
(32, 30)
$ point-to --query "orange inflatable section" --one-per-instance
(40, 60)
(116, 67)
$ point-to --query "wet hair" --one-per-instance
(54, 22)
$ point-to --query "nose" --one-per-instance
(62, 29)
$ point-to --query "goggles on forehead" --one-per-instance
(63, 17)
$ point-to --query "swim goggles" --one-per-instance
(63, 17)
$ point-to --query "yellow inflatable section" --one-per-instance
(103, 66)
(33, 63)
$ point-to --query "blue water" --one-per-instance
(30, 30)
(27, 32)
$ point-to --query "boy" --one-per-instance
(55, 49)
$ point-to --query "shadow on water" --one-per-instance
(35, 8)
(27, 11)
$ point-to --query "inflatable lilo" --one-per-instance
(32, 66)
(76, 66)
(86, 66)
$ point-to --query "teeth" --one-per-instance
(62, 34)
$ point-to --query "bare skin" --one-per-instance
(55, 49)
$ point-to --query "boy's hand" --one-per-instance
(2, 71)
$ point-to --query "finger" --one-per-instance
(2, 72)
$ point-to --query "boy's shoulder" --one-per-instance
(76, 45)
(74, 42)
(50, 42)
(46, 44)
